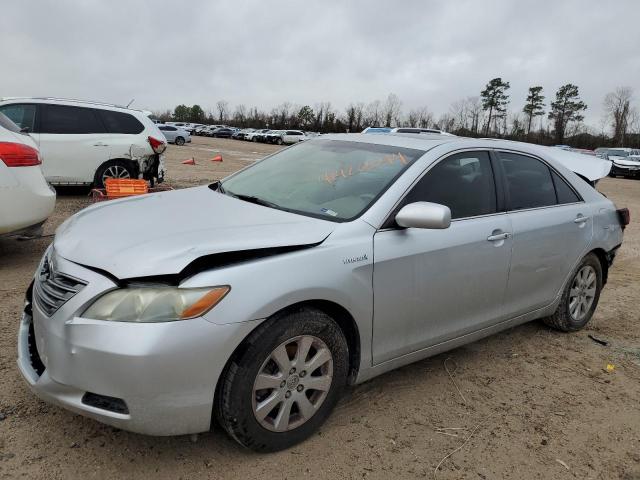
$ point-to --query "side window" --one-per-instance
(120, 122)
(23, 115)
(163, 128)
(563, 190)
(463, 182)
(529, 183)
(63, 119)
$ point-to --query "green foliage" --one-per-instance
(196, 115)
(181, 113)
(565, 109)
(305, 116)
(495, 99)
(534, 106)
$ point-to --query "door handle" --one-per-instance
(100, 144)
(580, 219)
(498, 236)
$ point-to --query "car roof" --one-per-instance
(589, 166)
(71, 102)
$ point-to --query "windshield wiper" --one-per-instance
(254, 199)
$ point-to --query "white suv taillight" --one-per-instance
(18, 155)
(158, 146)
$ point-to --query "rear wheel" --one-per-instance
(179, 141)
(580, 297)
(113, 169)
(285, 383)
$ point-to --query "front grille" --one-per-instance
(53, 289)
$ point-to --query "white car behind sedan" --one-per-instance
(26, 200)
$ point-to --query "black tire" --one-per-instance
(179, 141)
(234, 401)
(119, 165)
(254, 139)
(279, 141)
(562, 319)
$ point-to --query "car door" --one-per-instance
(431, 286)
(73, 143)
(552, 229)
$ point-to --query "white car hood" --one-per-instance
(591, 167)
(162, 233)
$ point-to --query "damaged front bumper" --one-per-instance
(149, 378)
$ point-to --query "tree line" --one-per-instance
(487, 115)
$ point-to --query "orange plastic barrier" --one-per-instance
(121, 187)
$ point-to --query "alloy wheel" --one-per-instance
(115, 171)
(583, 292)
(292, 383)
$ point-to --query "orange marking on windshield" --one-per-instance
(367, 166)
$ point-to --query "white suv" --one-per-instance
(86, 142)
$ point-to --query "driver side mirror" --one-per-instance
(424, 215)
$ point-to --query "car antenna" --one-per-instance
(132, 100)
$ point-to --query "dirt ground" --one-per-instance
(532, 402)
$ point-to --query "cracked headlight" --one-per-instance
(155, 304)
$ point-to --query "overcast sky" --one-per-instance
(263, 53)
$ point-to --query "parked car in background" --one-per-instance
(256, 135)
(224, 132)
(275, 137)
(198, 130)
(84, 142)
(26, 200)
(175, 134)
(418, 244)
(293, 136)
(417, 130)
(601, 151)
(240, 134)
(625, 162)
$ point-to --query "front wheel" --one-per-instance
(284, 384)
(580, 297)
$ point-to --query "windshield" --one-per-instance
(618, 153)
(332, 179)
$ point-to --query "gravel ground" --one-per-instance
(535, 403)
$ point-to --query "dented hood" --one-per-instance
(162, 233)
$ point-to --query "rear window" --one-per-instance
(63, 119)
(8, 124)
(529, 182)
(120, 122)
(21, 114)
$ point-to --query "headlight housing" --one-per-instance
(155, 304)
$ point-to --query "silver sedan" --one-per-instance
(323, 265)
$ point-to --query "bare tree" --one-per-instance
(373, 115)
(617, 105)
(392, 110)
(240, 115)
(223, 110)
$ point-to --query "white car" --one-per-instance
(293, 136)
(176, 135)
(87, 142)
(26, 200)
(625, 162)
